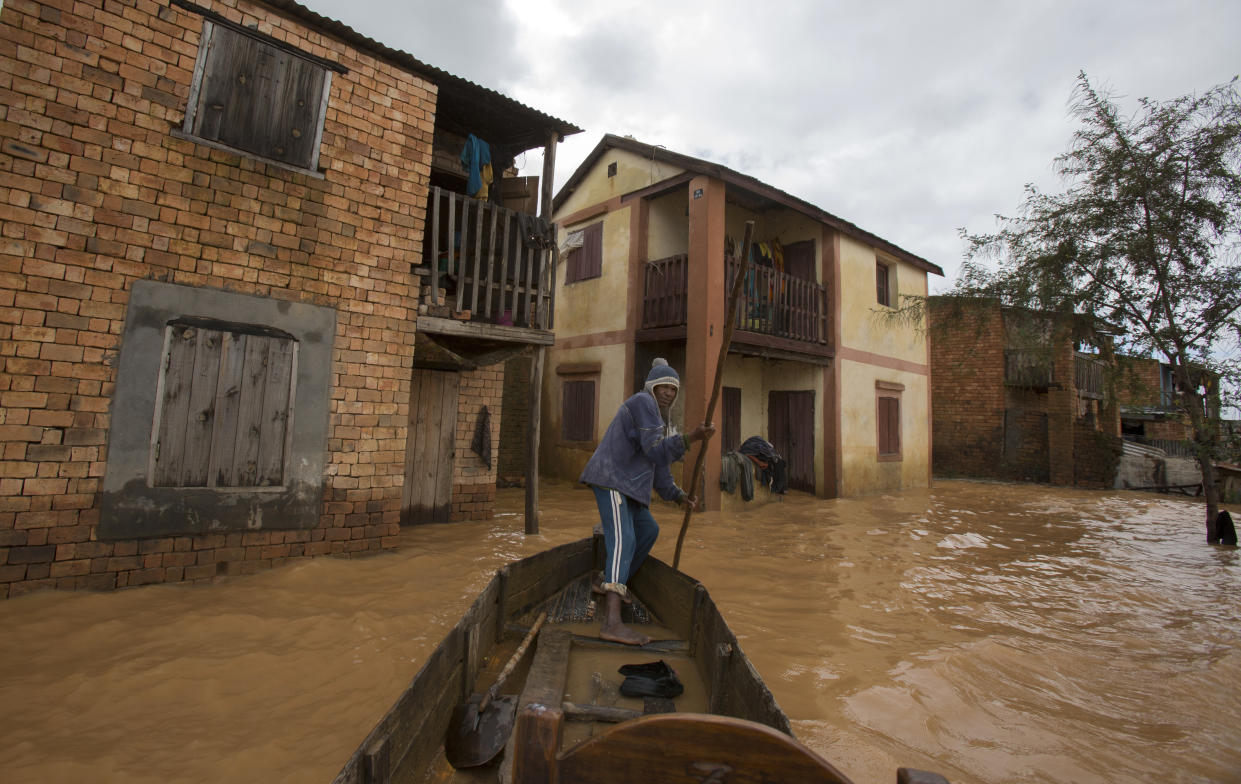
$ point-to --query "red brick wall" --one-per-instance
(1138, 383)
(1096, 455)
(97, 193)
(1176, 429)
(967, 389)
(473, 481)
(1025, 455)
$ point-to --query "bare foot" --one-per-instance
(622, 633)
(612, 629)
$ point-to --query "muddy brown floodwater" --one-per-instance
(990, 632)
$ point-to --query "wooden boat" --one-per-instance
(572, 725)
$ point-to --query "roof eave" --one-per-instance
(441, 78)
(731, 177)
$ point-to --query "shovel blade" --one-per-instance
(475, 738)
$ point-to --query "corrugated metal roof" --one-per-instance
(524, 127)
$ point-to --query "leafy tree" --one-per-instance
(1146, 235)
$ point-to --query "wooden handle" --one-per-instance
(730, 324)
(512, 663)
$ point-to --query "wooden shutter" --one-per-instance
(889, 425)
(257, 97)
(592, 251)
(262, 367)
(881, 284)
(577, 421)
(170, 450)
(224, 408)
(587, 261)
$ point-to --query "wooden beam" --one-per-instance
(474, 329)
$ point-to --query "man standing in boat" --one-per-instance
(634, 455)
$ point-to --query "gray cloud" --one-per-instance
(910, 119)
(473, 39)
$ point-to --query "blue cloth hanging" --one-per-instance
(475, 155)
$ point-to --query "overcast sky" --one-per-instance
(909, 119)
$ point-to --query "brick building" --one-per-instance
(239, 272)
(1013, 399)
(1149, 410)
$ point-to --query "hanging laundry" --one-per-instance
(476, 158)
(777, 254)
(772, 469)
(737, 470)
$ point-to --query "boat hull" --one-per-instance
(406, 744)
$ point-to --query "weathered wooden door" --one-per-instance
(427, 495)
(790, 429)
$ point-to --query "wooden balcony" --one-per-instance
(777, 314)
(485, 264)
(1088, 370)
(778, 304)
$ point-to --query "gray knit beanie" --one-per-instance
(661, 373)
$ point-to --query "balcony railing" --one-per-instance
(487, 260)
(771, 302)
(1088, 370)
(779, 304)
(1030, 369)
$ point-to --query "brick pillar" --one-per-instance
(704, 331)
(1061, 411)
(1109, 406)
(474, 481)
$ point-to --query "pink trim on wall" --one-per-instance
(594, 340)
(879, 360)
(593, 211)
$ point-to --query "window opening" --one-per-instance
(883, 284)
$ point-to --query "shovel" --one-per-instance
(479, 728)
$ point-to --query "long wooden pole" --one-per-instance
(730, 325)
(547, 281)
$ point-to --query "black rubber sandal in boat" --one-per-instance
(653, 679)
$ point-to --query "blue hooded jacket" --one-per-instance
(639, 446)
